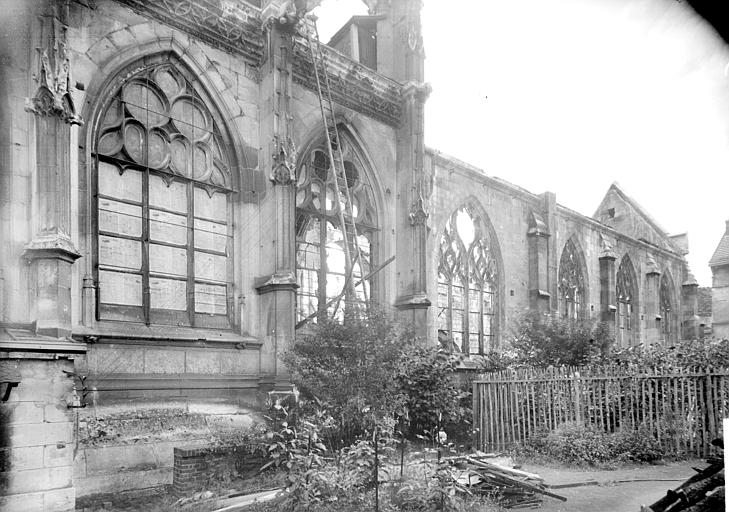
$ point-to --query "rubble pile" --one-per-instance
(512, 488)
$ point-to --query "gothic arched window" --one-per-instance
(626, 291)
(320, 241)
(665, 298)
(164, 181)
(571, 283)
(467, 285)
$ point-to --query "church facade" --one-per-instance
(169, 218)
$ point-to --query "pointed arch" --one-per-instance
(321, 273)
(626, 295)
(469, 285)
(164, 168)
(572, 281)
(668, 308)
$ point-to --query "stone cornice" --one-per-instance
(231, 26)
(352, 85)
(237, 27)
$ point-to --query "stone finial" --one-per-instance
(284, 162)
(53, 96)
(418, 210)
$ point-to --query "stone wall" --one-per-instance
(508, 210)
(37, 439)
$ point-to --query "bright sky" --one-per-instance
(571, 95)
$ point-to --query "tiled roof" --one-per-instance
(721, 254)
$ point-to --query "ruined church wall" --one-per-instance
(508, 208)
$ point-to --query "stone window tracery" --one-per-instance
(320, 240)
(626, 290)
(571, 283)
(467, 285)
(164, 181)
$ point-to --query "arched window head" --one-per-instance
(665, 298)
(467, 285)
(571, 285)
(320, 239)
(164, 181)
(626, 291)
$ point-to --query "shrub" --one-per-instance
(539, 340)
(351, 367)
(432, 398)
(638, 446)
(573, 443)
(682, 354)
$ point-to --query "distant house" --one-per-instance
(719, 264)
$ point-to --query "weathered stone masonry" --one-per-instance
(166, 220)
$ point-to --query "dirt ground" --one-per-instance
(622, 497)
(621, 490)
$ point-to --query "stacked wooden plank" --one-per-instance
(512, 488)
(703, 492)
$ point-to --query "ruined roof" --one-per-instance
(636, 205)
(721, 254)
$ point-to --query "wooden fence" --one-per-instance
(682, 408)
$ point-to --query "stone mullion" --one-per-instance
(481, 329)
(145, 247)
(466, 313)
(323, 267)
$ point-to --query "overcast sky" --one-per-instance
(572, 95)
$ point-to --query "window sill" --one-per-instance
(134, 333)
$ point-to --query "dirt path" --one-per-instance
(624, 497)
(622, 490)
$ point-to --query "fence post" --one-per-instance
(577, 388)
(475, 416)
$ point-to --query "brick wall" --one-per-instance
(193, 467)
(36, 439)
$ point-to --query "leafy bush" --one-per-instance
(352, 367)
(433, 399)
(638, 446)
(540, 340)
(683, 354)
(573, 443)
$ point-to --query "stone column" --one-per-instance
(414, 188)
(51, 251)
(278, 286)
(538, 237)
(607, 283)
